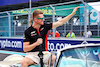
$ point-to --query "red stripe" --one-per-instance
(46, 46)
(28, 41)
(39, 33)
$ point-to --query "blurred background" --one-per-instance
(15, 16)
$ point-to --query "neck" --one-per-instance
(36, 26)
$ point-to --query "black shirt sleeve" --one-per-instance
(48, 25)
(26, 37)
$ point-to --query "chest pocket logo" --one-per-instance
(42, 29)
(33, 33)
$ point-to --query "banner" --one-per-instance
(93, 15)
(54, 45)
(11, 44)
(48, 10)
(16, 44)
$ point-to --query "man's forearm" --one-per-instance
(64, 20)
(29, 47)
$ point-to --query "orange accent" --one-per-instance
(56, 34)
(46, 46)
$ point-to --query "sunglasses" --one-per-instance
(41, 18)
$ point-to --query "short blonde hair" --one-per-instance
(36, 13)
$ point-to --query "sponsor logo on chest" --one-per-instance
(33, 33)
(42, 29)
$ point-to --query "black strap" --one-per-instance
(40, 55)
(40, 50)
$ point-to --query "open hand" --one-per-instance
(75, 9)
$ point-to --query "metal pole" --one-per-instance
(29, 15)
(14, 28)
(64, 29)
(98, 24)
(53, 10)
(80, 29)
(30, 6)
(85, 28)
(85, 20)
(9, 24)
(98, 29)
(72, 24)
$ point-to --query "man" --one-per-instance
(88, 33)
(36, 35)
(70, 34)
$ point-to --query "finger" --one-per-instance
(78, 7)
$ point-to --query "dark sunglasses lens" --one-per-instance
(40, 18)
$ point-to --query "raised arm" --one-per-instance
(64, 20)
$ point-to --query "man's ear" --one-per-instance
(35, 19)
